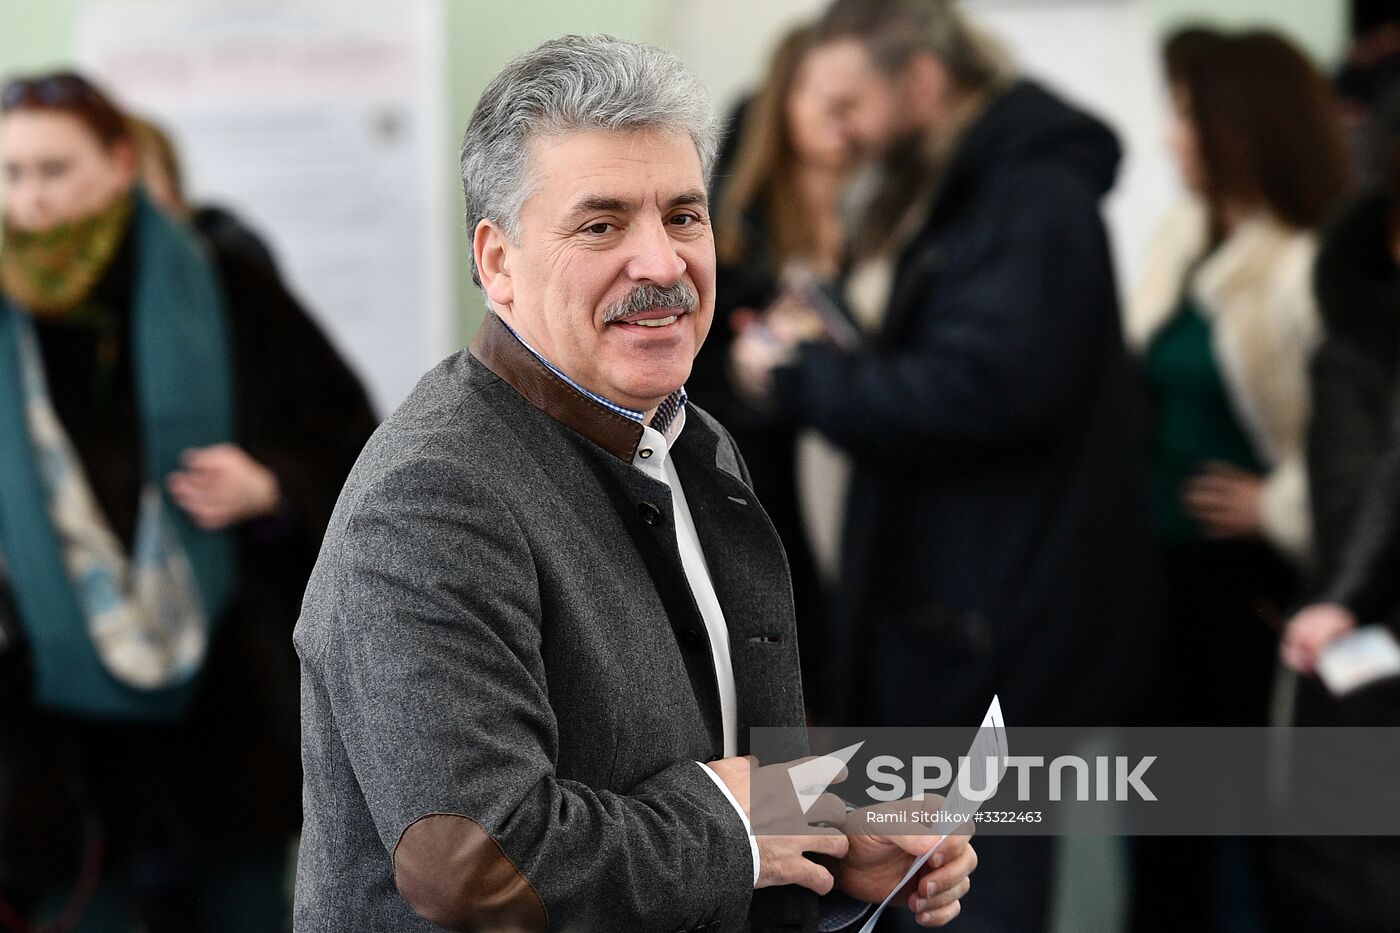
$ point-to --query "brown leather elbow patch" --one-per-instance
(454, 874)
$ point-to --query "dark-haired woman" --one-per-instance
(1225, 323)
(1348, 882)
(173, 434)
(777, 226)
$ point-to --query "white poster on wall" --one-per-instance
(319, 123)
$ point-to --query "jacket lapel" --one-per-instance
(750, 575)
(645, 507)
(742, 551)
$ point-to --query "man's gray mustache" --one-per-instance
(650, 297)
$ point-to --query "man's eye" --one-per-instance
(598, 229)
(53, 169)
(685, 220)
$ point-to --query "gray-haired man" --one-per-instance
(548, 593)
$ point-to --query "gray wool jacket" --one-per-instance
(506, 683)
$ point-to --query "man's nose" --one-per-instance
(654, 257)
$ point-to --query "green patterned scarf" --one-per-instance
(52, 272)
(115, 635)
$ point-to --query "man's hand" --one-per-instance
(876, 862)
(870, 864)
(1311, 631)
(1225, 500)
(782, 858)
(221, 486)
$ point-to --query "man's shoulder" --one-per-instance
(448, 399)
(458, 412)
(425, 490)
(444, 448)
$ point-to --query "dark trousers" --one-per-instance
(1351, 883)
(95, 832)
(235, 892)
(1224, 603)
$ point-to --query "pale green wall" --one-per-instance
(35, 34)
(483, 34)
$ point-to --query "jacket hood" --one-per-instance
(1027, 124)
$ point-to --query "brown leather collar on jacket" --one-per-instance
(502, 353)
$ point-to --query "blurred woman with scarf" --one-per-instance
(174, 432)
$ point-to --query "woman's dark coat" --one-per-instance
(229, 775)
(1348, 883)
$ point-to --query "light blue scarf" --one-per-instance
(110, 636)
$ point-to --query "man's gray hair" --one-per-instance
(569, 84)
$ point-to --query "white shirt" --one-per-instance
(653, 458)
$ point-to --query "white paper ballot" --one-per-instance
(1359, 658)
(989, 744)
(811, 778)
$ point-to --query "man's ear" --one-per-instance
(491, 250)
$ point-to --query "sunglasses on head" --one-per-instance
(64, 89)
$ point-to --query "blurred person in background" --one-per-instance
(1368, 86)
(1348, 883)
(1225, 323)
(163, 177)
(777, 226)
(995, 535)
(173, 434)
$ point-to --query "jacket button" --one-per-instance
(651, 515)
(692, 639)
